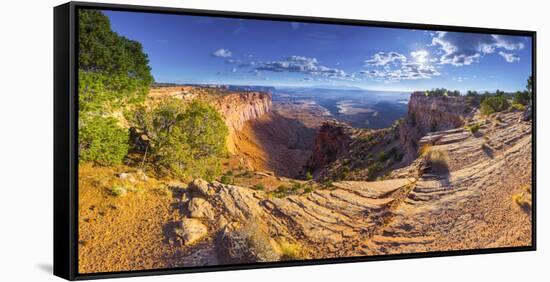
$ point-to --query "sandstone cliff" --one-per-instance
(240, 107)
(430, 114)
(235, 107)
(342, 152)
(331, 142)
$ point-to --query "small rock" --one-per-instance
(123, 175)
(264, 173)
(192, 230)
(222, 222)
(142, 176)
(185, 197)
(201, 187)
(200, 208)
(527, 114)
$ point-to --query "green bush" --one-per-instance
(494, 104)
(113, 74)
(309, 176)
(522, 98)
(185, 140)
(226, 179)
(102, 140)
(374, 171)
(473, 128)
(258, 186)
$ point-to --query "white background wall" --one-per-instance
(26, 127)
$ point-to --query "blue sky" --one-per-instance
(192, 49)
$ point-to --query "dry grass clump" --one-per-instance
(117, 191)
(473, 128)
(523, 198)
(291, 251)
(437, 160)
(424, 149)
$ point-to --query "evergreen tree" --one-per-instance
(113, 74)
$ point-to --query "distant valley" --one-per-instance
(358, 107)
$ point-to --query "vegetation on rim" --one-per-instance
(113, 73)
(183, 140)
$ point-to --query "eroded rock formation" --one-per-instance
(430, 114)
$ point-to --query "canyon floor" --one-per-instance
(481, 200)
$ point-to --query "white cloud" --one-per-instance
(420, 56)
(385, 58)
(509, 57)
(460, 49)
(222, 53)
(393, 66)
(304, 65)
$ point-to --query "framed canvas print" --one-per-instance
(191, 140)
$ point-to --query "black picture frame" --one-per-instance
(65, 138)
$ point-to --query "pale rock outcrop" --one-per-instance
(429, 114)
(191, 230)
(200, 208)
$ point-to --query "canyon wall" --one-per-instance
(331, 142)
(428, 114)
(238, 108)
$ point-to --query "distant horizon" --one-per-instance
(344, 87)
(187, 49)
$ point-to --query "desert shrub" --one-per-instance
(308, 189)
(117, 191)
(327, 182)
(383, 156)
(522, 98)
(226, 179)
(473, 128)
(309, 176)
(494, 104)
(344, 172)
(296, 186)
(164, 190)
(398, 156)
(437, 160)
(247, 242)
(185, 140)
(291, 251)
(523, 198)
(246, 174)
(518, 106)
(282, 189)
(441, 92)
(374, 171)
(101, 140)
(424, 149)
(258, 186)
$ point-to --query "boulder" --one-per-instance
(527, 114)
(247, 242)
(201, 187)
(200, 208)
(191, 230)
